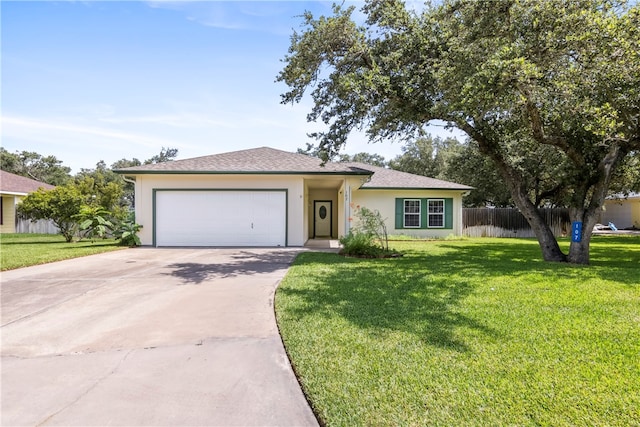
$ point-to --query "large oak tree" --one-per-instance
(526, 79)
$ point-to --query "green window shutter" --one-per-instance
(399, 213)
(448, 213)
(423, 213)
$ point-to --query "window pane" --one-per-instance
(435, 213)
(436, 220)
(412, 206)
(436, 206)
(412, 213)
(412, 220)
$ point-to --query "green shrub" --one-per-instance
(93, 221)
(127, 233)
(360, 244)
(371, 223)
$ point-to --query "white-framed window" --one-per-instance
(412, 213)
(435, 213)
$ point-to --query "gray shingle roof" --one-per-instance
(271, 161)
(389, 178)
(16, 184)
(256, 160)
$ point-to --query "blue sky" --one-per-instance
(91, 81)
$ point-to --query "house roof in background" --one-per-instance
(265, 160)
(19, 185)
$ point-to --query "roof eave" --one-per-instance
(416, 188)
(155, 172)
(12, 193)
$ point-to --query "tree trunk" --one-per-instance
(548, 243)
(579, 251)
(591, 204)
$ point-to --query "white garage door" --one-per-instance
(220, 218)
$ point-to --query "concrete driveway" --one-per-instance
(148, 337)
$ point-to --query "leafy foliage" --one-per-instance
(166, 155)
(371, 223)
(360, 244)
(469, 167)
(368, 237)
(61, 205)
(550, 94)
(104, 188)
(128, 231)
(427, 156)
(93, 222)
(35, 166)
(367, 158)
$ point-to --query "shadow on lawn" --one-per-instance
(611, 258)
(382, 296)
(421, 293)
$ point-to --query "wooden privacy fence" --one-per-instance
(507, 222)
(38, 227)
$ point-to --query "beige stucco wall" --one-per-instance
(145, 184)
(624, 213)
(8, 214)
(384, 202)
(345, 197)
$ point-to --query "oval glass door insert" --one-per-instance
(322, 212)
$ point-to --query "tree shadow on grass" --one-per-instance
(612, 258)
(241, 263)
(422, 293)
(382, 296)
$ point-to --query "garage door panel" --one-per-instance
(220, 218)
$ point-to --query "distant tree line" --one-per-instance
(92, 203)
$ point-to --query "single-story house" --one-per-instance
(12, 189)
(623, 212)
(269, 197)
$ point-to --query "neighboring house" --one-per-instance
(268, 197)
(623, 212)
(12, 189)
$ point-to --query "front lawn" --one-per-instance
(467, 333)
(23, 250)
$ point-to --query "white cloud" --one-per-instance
(29, 128)
(76, 143)
(264, 16)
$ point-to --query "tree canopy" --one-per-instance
(35, 166)
(91, 200)
(550, 93)
(60, 204)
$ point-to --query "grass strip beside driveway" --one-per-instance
(475, 332)
(23, 250)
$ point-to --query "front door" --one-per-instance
(322, 218)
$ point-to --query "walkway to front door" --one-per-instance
(325, 243)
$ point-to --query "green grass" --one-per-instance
(467, 333)
(23, 250)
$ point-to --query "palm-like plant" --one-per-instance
(93, 221)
